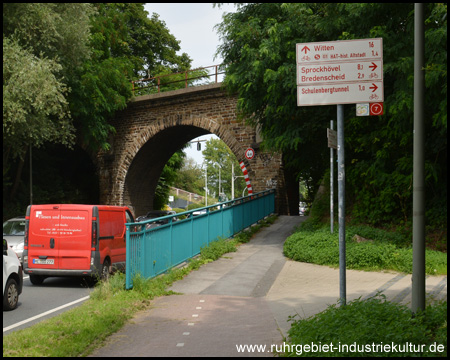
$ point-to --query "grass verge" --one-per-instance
(373, 327)
(79, 331)
(379, 250)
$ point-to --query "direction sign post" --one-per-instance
(332, 144)
(338, 73)
(341, 205)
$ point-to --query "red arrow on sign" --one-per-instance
(374, 87)
(373, 66)
(306, 49)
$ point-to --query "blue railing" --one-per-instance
(152, 251)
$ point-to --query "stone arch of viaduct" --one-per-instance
(153, 127)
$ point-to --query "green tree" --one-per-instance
(63, 80)
(259, 50)
(219, 156)
(191, 177)
(126, 45)
(167, 179)
(42, 45)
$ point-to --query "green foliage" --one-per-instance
(218, 154)
(42, 46)
(372, 321)
(191, 177)
(193, 206)
(35, 109)
(259, 50)
(217, 248)
(126, 44)
(380, 250)
(167, 179)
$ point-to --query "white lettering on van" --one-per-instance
(78, 217)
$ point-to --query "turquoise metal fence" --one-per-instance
(152, 251)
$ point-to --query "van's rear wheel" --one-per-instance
(105, 270)
(37, 279)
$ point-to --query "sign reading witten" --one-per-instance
(340, 72)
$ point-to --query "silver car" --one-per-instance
(14, 233)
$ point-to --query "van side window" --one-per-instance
(129, 217)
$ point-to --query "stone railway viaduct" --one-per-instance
(153, 127)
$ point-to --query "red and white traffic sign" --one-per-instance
(249, 153)
(340, 72)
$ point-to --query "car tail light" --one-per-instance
(94, 233)
(25, 239)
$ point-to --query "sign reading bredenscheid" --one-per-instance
(340, 72)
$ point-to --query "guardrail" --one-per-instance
(153, 251)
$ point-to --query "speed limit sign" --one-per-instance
(249, 153)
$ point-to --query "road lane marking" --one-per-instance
(44, 314)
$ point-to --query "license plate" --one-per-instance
(44, 261)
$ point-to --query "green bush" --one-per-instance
(381, 252)
(372, 321)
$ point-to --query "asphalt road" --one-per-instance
(37, 303)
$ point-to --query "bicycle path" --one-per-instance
(246, 298)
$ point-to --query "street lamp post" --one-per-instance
(206, 184)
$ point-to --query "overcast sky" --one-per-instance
(193, 25)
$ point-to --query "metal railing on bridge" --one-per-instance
(151, 251)
(174, 81)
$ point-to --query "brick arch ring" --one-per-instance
(178, 120)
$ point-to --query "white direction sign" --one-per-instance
(337, 51)
(343, 93)
(340, 72)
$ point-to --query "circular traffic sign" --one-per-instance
(376, 109)
(249, 153)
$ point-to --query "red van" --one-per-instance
(74, 240)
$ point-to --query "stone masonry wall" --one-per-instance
(154, 126)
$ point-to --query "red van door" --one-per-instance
(43, 230)
(59, 237)
(74, 244)
(112, 234)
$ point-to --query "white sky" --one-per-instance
(193, 25)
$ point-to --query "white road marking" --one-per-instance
(44, 314)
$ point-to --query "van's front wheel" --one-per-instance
(105, 270)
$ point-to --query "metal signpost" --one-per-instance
(332, 144)
(338, 73)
